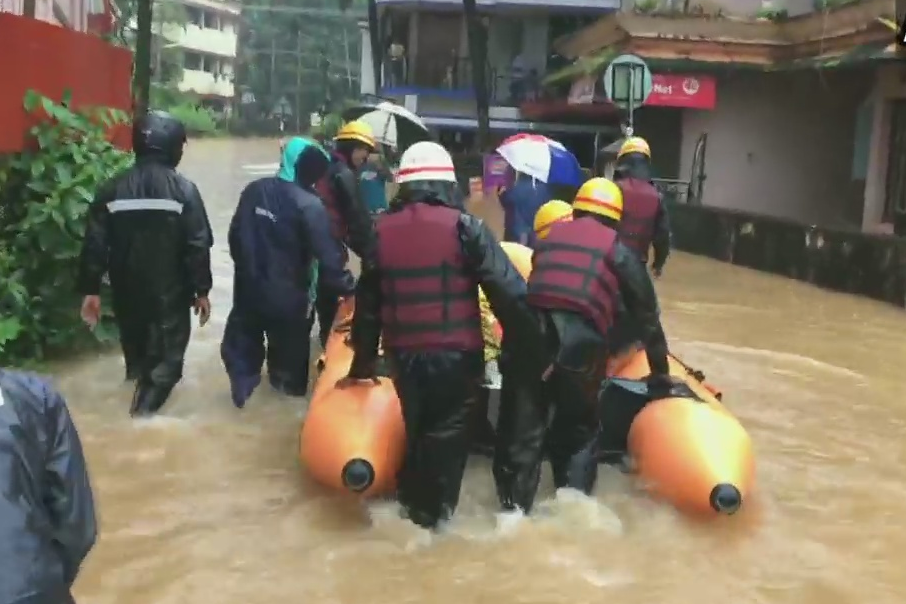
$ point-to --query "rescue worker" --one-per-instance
(47, 516)
(148, 229)
(350, 218)
(645, 221)
(278, 232)
(423, 294)
(580, 270)
(554, 211)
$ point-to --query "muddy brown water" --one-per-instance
(209, 504)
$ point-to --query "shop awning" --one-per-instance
(860, 55)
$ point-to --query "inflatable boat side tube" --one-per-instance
(620, 400)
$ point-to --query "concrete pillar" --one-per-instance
(876, 174)
(367, 85)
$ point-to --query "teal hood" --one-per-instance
(304, 161)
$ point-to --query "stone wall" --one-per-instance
(859, 263)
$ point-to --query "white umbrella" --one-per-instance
(390, 122)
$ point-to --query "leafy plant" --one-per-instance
(197, 120)
(45, 193)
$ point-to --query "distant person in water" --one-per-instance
(645, 223)
(47, 516)
(520, 203)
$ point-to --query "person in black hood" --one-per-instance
(580, 273)
(148, 229)
(47, 516)
(279, 230)
(350, 218)
(421, 293)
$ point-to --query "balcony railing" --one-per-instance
(426, 71)
(455, 76)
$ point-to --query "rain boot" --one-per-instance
(241, 389)
(148, 399)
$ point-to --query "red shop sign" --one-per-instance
(681, 90)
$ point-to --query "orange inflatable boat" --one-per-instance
(687, 448)
(352, 438)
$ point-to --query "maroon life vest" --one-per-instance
(572, 270)
(326, 189)
(430, 301)
(640, 207)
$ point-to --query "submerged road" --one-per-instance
(207, 504)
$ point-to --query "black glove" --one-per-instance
(360, 370)
(660, 385)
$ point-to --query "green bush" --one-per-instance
(197, 120)
(44, 197)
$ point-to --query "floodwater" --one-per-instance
(209, 504)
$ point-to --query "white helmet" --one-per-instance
(426, 161)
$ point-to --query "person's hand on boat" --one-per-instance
(660, 384)
(352, 380)
(359, 373)
(657, 271)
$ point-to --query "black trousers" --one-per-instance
(326, 306)
(438, 393)
(558, 416)
(154, 342)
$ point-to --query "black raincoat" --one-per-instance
(341, 185)
(149, 230)
(438, 389)
(47, 518)
(279, 229)
(575, 351)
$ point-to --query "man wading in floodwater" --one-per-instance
(149, 230)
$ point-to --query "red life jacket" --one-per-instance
(640, 207)
(430, 301)
(326, 189)
(572, 270)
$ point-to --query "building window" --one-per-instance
(195, 15)
(193, 61)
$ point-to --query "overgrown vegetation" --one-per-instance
(45, 193)
(197, 120)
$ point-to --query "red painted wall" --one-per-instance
(52, 59)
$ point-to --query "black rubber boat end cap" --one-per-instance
(357, 475)
(725, 499)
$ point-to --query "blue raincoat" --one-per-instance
(520, 203)
(279, 239)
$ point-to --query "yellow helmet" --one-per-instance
(600, 196)
(556, 210)
(634, 144)
(356, 131)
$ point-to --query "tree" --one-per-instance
(478, 51)
(298, 53)
(141, 85)
(147, 29)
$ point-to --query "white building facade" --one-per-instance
(209, 43)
